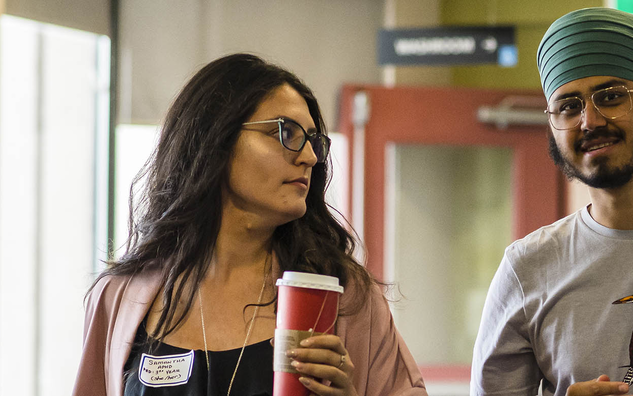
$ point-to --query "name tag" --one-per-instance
(170, 370)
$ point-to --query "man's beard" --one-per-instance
(605, 177)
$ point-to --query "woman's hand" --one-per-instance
(324, 357)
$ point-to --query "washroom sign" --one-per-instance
(448, 46)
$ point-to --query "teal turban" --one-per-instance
(585, 43)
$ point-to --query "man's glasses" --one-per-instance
(293, 137)
(611, 103)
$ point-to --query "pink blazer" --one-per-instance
(117, 305)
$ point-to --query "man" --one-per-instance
(557, 307)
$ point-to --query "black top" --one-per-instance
(254, 376)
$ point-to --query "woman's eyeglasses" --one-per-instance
(293, 137)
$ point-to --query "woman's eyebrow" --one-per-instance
(308, 130)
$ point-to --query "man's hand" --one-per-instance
(601, 386)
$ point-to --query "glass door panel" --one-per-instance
(451, 221)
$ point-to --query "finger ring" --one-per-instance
(343, 360)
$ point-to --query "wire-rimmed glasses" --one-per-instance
(293, 137)
(611, 103)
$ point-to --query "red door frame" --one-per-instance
(426, 115)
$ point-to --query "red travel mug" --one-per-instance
(307, 305)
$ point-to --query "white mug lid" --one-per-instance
(310, 281)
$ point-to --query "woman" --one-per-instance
(233, 197)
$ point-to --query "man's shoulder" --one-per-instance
(556, 236)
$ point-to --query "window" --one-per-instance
(54, 104)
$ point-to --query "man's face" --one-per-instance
(598, 151)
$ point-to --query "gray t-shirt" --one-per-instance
(549, 313)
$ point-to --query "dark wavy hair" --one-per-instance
(176, 212)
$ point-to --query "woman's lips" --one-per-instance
(302, 182)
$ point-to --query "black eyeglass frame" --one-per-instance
(584, 107)
(306, 136)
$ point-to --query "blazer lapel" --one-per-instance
(137, 298)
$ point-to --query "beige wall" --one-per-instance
(89, 15)
(160, 46)
(327, 43)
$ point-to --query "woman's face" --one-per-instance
(266, 180)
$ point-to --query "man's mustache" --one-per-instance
(596, 134)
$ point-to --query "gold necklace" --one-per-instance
(248, 333)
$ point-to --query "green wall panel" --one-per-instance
(501, 12)
(530, 18)
(624, 5)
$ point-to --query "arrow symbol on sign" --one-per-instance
(489, 44)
